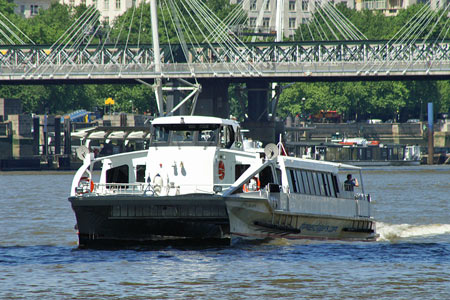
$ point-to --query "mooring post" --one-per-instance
(430, 134)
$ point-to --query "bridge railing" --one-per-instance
(258, 59)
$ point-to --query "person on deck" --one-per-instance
(350, 183)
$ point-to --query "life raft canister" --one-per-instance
(246, 189)
(221, 170)
(86, 181)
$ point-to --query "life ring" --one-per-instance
(245, 188)
(86, 181)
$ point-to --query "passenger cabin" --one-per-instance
(187, 154)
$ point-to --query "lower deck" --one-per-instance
(142, 219)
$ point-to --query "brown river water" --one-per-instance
(39, 257)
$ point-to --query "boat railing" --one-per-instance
(119, 188)
(144, 188)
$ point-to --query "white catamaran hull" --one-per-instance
(259, 218)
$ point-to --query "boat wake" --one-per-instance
(392, 232)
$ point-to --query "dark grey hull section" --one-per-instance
(134, 219)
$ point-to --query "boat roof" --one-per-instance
(318, 165)
(119, 133)
(193, 120)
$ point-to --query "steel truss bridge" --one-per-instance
(284, 61)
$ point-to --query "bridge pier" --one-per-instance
(213, 100)
(258, 91)
(260, 126)
(174, 98)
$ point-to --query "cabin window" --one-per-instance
(239, 170)
(207, 135)
(161, 134)
(182, 136)
(226, 136)
(326, 184)
(292, 181)
(140, 173)
(194, 134)
(305, 182)
(301, 184)
(117, 175)
(330, 185)
(318, 183)
(266, 176)
(278, 176)
(311, 183)
(335, 185)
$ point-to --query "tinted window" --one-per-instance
(140, 173)
(117, 175)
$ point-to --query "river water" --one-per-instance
(39, 258)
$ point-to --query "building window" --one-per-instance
(106, 20)
(106, 6)
(117, 4)
(304, 20)
(252, 4)
(266, 22)
(291, 23)
(252, 22)
(22, 9)
(133, 3)
(292, 5)
(267, 5)
(305, 5)
(34, 9)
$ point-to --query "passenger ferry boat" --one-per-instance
(298, 198)
(199, 180)
(172, 190)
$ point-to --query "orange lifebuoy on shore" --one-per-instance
(245, 188)
(83, 181)
(221, 170)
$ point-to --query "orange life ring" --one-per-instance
(221, 170)
(258, 185)
(90, 182)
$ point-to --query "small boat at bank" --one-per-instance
(354, 152)
(199, 180)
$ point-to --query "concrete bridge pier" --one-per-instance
(174, 98)
(213, 99)
(261, 127)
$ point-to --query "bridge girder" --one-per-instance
(319, 61)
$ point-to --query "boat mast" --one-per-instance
(157, 56)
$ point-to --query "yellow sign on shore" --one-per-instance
(109, 101)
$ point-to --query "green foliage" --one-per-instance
(363, 100)
(355, 100)
(49, 24)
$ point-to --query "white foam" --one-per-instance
(389, 232)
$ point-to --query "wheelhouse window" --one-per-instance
(227, 136)
(190, 134)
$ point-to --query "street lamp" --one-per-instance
(132, 106)
(303, 108)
